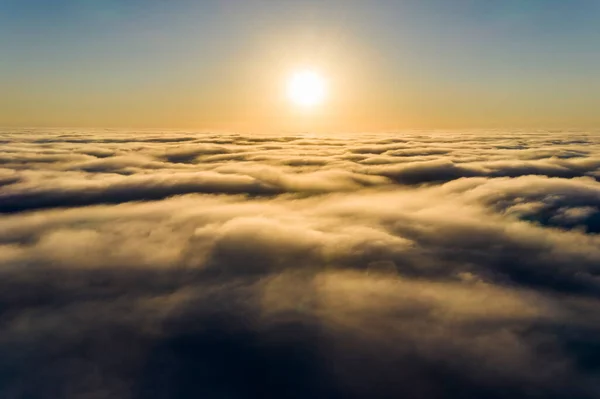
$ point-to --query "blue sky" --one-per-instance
(499, 61)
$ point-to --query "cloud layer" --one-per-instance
(421, 264)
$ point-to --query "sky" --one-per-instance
(223, 65)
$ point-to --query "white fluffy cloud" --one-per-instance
(182, 264)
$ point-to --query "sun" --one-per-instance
(307, 88)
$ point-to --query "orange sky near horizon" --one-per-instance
(226, 66)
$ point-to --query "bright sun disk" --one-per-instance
(306, 88)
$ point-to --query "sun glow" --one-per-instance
(307, 88)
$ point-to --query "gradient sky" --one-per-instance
(224, 64)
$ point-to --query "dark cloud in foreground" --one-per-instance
(417, 265)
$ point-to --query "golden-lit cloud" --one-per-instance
(417, 265)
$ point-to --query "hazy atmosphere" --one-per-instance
(220, 64)
(299, 199)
